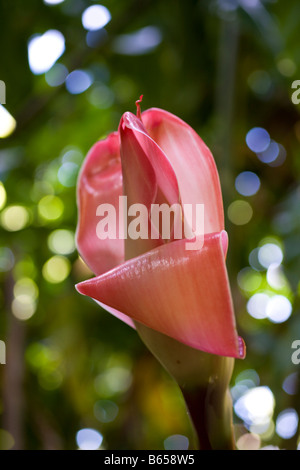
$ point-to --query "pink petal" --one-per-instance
(148, 177)
(183, 294)
(117, 314)
(192, 162)
(134, 135)
(224, 240)
(100, 182)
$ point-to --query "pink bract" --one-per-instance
(184, 294)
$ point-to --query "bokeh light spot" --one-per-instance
(269, 254)
(253, 260)
(23, 308)
(95, 38)
(56, 75)
(61, 242)
(257, 306)
(67, 174)
(275, 276)
(246, 380)
(280, 159)
(140, 42)
(6, 259)
(249, 280)
(56, 269)
(101, 97)
(269, 447)
(72, 154)
(258, 139)
(270, 154)
(26, 287)
(240, 212)
(113, 381)
(89, 439)
(260, 82)
(106, 411)
(95, 17)
(265, 430)
(249, 375)
(53, 2)
(25, 268)
(78, 81)
(247, 183)
(45, 50)
(6, 440)
(286, 67)
(2, 196)
(287, 423)
(256, 406)
(248, 441)
(14, 218)
(50, 379)
(176, 442)
(7, 123)
(26, 293)
(278, 309)
(291, 383)
(50, 208)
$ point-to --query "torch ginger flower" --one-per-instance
(183, 293)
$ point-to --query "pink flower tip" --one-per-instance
(242, 348)
(138, 107)
(81, 288)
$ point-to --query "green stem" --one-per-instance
(204, 381)
(211, 416)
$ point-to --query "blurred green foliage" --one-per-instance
(224, 66)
